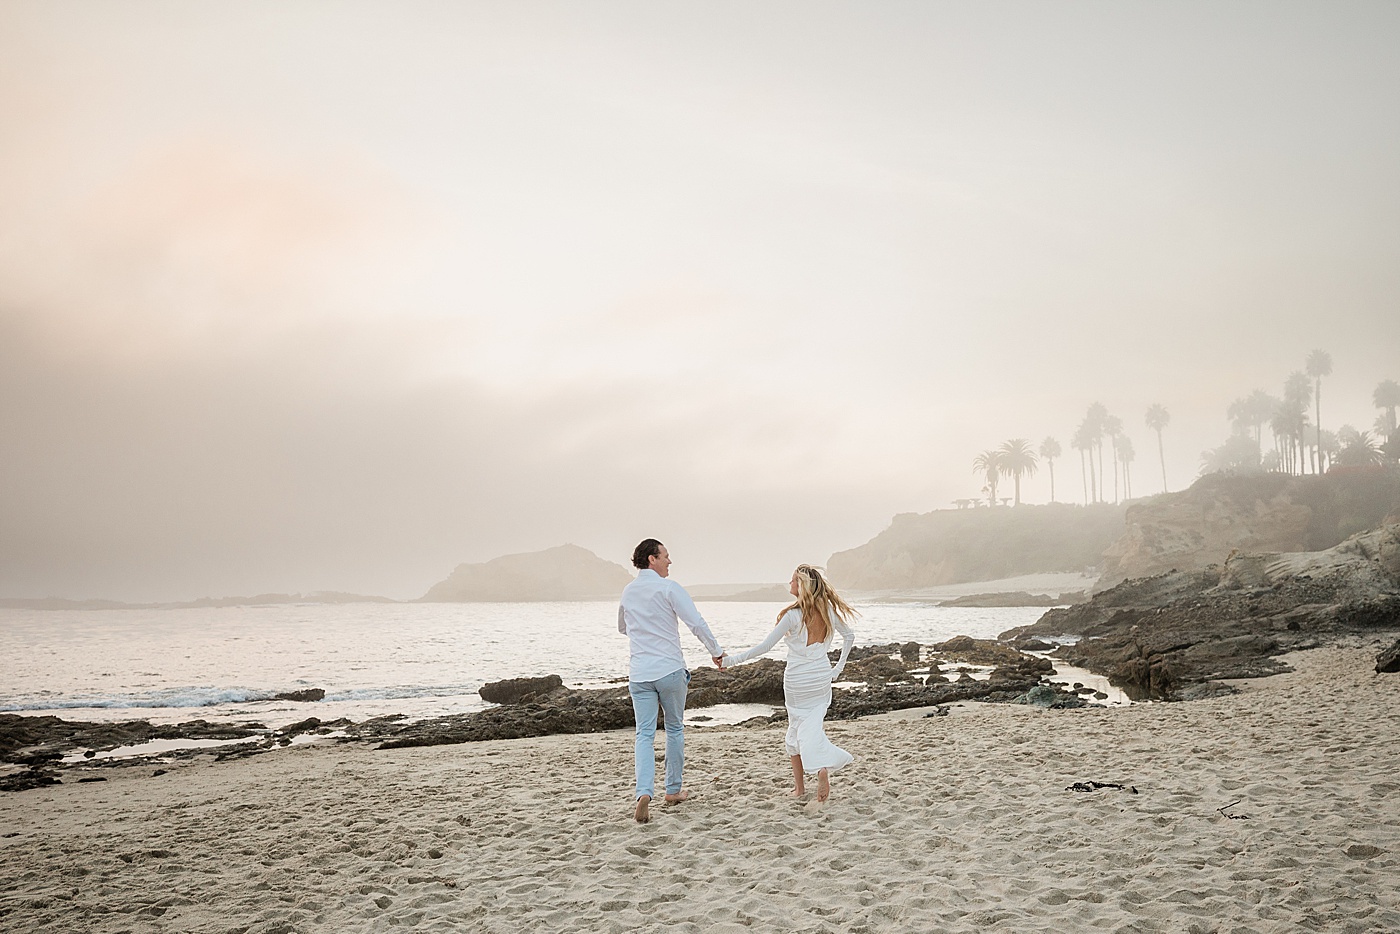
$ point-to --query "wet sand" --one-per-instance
(957, 823)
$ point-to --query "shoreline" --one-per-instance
(881, 678)
(961, 822)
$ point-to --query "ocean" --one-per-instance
(371, 659)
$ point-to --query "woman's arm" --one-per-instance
(848, 639)
(784, 626)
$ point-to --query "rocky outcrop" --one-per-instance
(1388, 661)
(309, 695)
(567, 572)
(1256, 514)
(34, 740)
(512, 690)
(884, 669)
(1155, 637)
(951, 546)
(1015, 598)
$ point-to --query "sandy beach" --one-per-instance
(955, 823)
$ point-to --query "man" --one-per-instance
(649, 616)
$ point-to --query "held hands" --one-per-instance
(718, 660)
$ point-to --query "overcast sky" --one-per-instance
(321, 296)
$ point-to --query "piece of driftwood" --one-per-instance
(1095, 786)
(1232, 816)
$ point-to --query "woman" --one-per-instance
(807, 627)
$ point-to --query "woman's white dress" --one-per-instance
(806, 687)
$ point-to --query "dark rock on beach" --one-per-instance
(578, 712)
(511, 690)
(28, 740)
(561, 710)
(1051, 697)
(862, 652)
(1388, 661)
(28, 779)
(759, 682)
(309, 695)
(875, 668)
(987, 652)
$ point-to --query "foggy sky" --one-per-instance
(323, 296)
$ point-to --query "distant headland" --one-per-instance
(566, 572)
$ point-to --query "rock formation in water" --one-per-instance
(567, 572)
(952, 546)
(1251, 513)
(1173, 634)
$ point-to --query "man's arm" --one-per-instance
(688, 614)
(621, 621)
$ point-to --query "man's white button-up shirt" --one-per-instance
(651, 607)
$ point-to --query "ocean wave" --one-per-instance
(218, 696)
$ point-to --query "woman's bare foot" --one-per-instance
(643, 812)
(678, 797)
(823, 786)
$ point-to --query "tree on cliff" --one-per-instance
(1157, 419)
(1319, 365)
(1252, 413)
(1113, 427)
(1050, 449)
(1387, 396)
(1359, 449)
(988, 463)
(1237, 455)
(1123, 451)
(1328, 446)
(1093, 426)
(1081, 443)
(1290, 421)
(1017, 460)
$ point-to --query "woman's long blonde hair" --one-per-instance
(817, 601)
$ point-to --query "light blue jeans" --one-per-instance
(668, 694)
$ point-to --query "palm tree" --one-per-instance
(988, 463)
(1387, 396)
(1358, 449)
(1293, 416)
(1123, 450)
(1050, 449)
(1319, 365)
(1080, 442)
(1236, 455)
(1157, 419)
(1017, 460)
(1290, 424)
(1093, 427)
(1113, 427)
(1329, 446)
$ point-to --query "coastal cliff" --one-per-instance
(1220, 514)
(566, 572)
(1175, 635)
(952, 546)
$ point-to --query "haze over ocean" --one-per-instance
(335, 297)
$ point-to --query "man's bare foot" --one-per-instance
(823, 786)
(798, 793)
(678, 797)
(643, 812)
